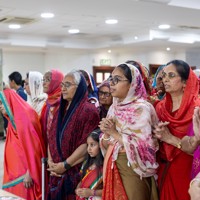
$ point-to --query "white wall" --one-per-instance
(66, 60)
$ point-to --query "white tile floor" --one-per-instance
(2, 142)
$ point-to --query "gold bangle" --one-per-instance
(106, 139)
(193, 180)
(179, 145)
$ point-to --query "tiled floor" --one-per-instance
(1, 160)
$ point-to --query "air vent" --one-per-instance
(189, 27)
(16, 20)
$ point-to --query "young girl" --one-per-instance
(91, 183)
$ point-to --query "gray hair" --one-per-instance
(76, 75)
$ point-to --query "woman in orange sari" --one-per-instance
(175, 112)
(24, 147)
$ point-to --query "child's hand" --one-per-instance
(84, 192)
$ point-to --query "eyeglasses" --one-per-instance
(105, 94)
(115, 80)
(66, 84)
(170, 75)
(46, 80)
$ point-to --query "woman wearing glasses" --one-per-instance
(175, 112)
(105, 98)
(72, 123)
(130, 161)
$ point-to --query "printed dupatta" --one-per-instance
(134, 117)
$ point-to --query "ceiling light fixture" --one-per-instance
(73, 31)
(109, 51)
(14, 26)
(136, 37)
(111, 21)
(164, 26)
(47, 15)
(168, 49)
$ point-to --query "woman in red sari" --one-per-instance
(24, 147)
(175, 112)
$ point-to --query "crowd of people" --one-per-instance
(128, 138)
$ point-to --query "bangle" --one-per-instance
(179, 145)
(193, 180)
(106, 139)
(94, 193)
(66, 165)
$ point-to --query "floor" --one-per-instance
(2, 142)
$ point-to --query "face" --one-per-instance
(26, 86)
(92, 147)
(46, 82)
(119, 84)
(172, 80)
(2, 109)
(105, 97)
(68, 88)
(11, 84)
(159, 81)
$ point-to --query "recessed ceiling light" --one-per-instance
(136, 37)
(47, 15)
(109, 51)
(14, 26)
(168, 49)
(111, 21)
(73, 31)
(164, 26)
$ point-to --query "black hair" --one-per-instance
(182, 68)
(98, 160)
(27, 75)
(16, 76)
(126, 71)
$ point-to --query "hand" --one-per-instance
(108, 126)
(56, 169)
(84, 192)
(194, 190)
(161, 132)
(28, 182)
(196, 123)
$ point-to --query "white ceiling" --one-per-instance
(136, 18)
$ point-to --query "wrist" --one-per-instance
(66, 165)
(93, 193)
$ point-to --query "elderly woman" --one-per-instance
(34, 88)
(75, 119)
(24, 147)
(51, 86)
(105, 98)
(130, 161)
(175, 112)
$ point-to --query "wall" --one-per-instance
(66, 60)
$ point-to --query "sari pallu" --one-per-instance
(69, 130)
(174, 163)
(91, 180)
(24, 147)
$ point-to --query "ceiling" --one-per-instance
(135, 18)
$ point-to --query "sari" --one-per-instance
(133, 117)
(37, 97)
(91, 180)
(69, 130)
(174, 164)
(52, 102)
(24, 147)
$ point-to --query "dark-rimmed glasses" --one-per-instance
(115, 80)
(66, 84)
(105, 94)
(170, 75)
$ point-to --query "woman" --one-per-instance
(73, 122)
(130, 162)
(175, 112)
(51, 86)
(34, 88)
(24, 147)
(91, 87)
(105, 98)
